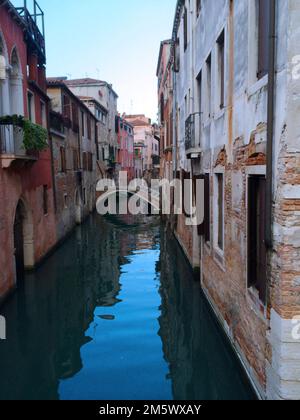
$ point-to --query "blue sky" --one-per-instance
(114, 40)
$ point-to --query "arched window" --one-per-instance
(16, 85)
(4, 100)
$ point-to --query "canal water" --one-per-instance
(115, 314)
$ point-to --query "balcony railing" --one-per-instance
(11, 145)
(34, 34)
(193, 133)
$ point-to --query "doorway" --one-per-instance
(23, 241)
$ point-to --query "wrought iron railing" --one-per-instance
(193, 131)
(33, 32)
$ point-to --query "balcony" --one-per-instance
(12, 151)
(193, 136)
(34, 28)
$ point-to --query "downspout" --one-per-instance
(270, 127)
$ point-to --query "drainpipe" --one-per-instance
(270, 127)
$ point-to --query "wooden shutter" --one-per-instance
(201, 227)
(221, 211)
(207, 207)
(257, 253)
(185, 18)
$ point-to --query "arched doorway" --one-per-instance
(23, 240)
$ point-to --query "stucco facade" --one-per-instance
(103, 93)
(27, 222)
(146, 143)
(73, 130)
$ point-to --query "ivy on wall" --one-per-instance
(35, 137)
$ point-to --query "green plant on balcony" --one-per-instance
(35, 137)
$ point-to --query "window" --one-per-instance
(85, 161)
(66, 200)
(263, 37)
(90, 162)
(257, 255)
(30, 104)
(89, 127)
(75, 160)
(221, 64)
(82, 124)
(63, 160)
(199, 92)
(176, 52)
(208, 85)
(66, 107)
(185, 19)
(198, 7)
(96, 140)
(43, 114)
(220, 210)
(45, 199)
(207, 208)
(75, 122)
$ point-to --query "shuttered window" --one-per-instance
(84, 161)
(220, 187)
(257, 254)
(207, 207)
(63, 166)
(66, 107)
(221, 53)
(89, 127)
(185, 18)
(263, 37)
(75, 118)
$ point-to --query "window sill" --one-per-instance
(219, 258)
(257, 86)
(256, 304)
(207, 248)
(218, 115)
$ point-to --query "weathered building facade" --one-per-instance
(236, 85)
(103, 93)
(165, 109)
(27, 222)
(146, 142)
(125, 157)
(74, 133)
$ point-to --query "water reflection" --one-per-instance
(112, 316)
(202, 366)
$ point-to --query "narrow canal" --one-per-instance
(115, 314)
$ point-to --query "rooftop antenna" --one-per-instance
(69, 76)
(98, 73)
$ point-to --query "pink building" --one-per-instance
(27, 206)
(125, 157)
(146, 141)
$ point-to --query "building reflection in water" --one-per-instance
(202, 364)
(110, 315)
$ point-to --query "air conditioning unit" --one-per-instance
(2, 68)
